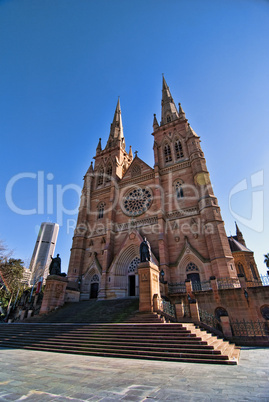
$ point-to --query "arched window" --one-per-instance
(168, 118)
(241, 269)
(179, 189)
(191, 267)
(255, 277)
(108, 173)
(133, 265)
(101, 208)
(100, 178)
(95, 278)
(179, 150)
(167, 153)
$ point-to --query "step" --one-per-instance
(159, 341)
(122, 345)
(138, 356)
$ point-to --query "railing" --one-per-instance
(174, 288)
(249, 328)
(177, 287)
(264, 281)
(167, 308)
(209, 319)
(228, 283)
(203, 286)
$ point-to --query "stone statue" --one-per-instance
(145, 251)
(55, 266)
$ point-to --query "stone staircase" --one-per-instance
(154, 341)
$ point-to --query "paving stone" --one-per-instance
(50, 376)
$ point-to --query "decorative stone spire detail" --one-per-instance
(116, 130)
(191, 132)
(90, 170)
(131, 152)
(155, 123)
(169, 110)
(181, 112)
(239, 236)
(99, 147)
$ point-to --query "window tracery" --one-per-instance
(95, 278)
(179, 189)
(108, 173)
(100, 178)
(253, 272)
(241, 269)
(179, 150)
(192, 267)
(101, 208)
(167, 153)
(137, 201)
(133, 265)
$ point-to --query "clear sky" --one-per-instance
(63, 64)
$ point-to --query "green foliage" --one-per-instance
(11, 271)
(266, 259)
(11, 274)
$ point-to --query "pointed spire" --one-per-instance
(155, 122)
(131, 152)
(99, 147)
(90, 170)
(239, 235)
(116, 129)
(169, 110)
(181, 112)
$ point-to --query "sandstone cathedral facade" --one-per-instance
(172, 204)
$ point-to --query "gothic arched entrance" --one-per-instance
(94, 287)
(133, 282)
(193, 274)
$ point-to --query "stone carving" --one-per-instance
(145, 251)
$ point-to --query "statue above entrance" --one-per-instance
(145, 251)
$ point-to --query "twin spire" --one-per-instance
(116, 129)
(169, 113)
(169, 109)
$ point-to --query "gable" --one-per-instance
(136, 169)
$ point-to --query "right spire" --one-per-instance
(169, 110)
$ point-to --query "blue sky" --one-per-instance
(63, 65)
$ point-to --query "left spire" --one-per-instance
(169, 110)
(116, 129)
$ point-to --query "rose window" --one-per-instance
(137, 201)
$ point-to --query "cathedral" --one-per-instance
(172, 204)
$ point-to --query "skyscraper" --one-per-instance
(44, 248)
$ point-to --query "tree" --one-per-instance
(11, 271)
(11, 274)
(266, 259)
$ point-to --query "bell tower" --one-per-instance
(189, 209)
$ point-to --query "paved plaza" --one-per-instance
(43, 376)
